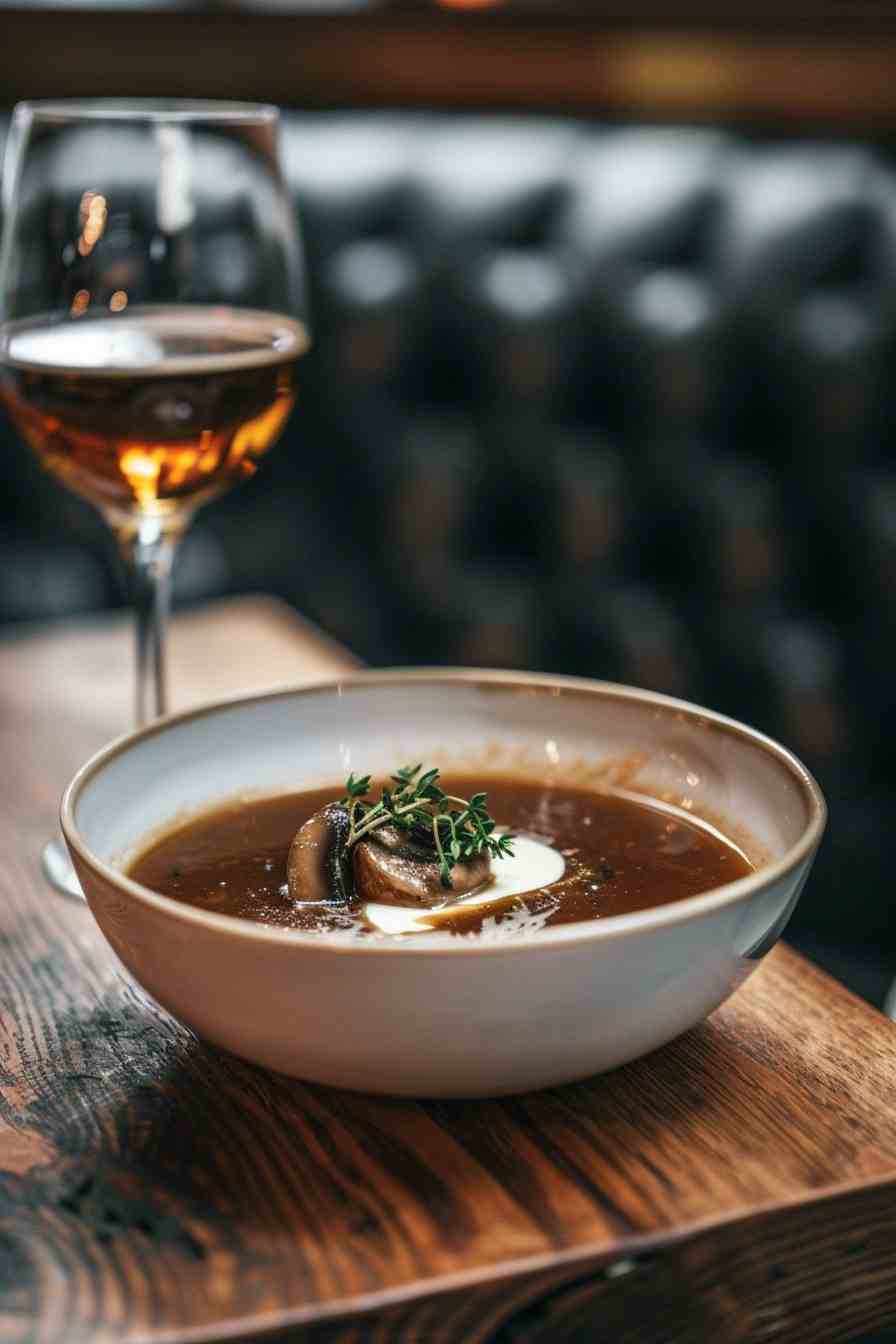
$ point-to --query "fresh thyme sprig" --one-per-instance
(461, 828)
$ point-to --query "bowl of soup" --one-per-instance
(604, 867)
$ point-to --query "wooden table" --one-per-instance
(738, 1185)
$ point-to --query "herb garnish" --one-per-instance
(461, 828)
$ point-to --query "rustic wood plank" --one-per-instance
(740, 1184)
(739, 1282)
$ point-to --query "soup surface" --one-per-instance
(619, 856)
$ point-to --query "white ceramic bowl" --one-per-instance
(428, 1015)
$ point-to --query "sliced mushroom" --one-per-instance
(319, 866)
(391, 871)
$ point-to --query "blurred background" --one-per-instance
(604, 310)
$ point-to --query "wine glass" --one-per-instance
(151, 317)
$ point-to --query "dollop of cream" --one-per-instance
(532, 866)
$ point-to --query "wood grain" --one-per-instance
(738, 1185)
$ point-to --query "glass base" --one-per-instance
(59, 871)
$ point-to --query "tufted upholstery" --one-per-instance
(611, 400)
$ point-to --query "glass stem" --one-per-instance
(148, 547)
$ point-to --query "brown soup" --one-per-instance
(620, 856)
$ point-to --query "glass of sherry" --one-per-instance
(152, 315)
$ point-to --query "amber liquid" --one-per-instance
(153, 410)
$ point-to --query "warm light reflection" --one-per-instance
(141, 467)
(181, 465)
(256, 435)
(93, 215)
(469, 4)
(80, 302)
(210, 452)
(118, 301)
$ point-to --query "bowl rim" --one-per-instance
(583, 931)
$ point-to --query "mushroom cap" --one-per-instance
(408, 874)
(319, 865)
(388, 866)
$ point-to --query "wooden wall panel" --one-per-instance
(827, 78)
